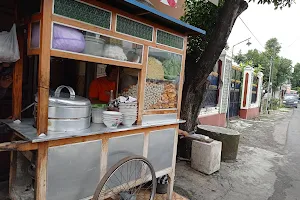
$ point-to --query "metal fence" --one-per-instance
(210, 98)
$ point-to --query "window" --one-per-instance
(211, 97)
(162, 80)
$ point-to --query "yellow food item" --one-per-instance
(155, 69)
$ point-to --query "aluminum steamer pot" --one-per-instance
(67, 112)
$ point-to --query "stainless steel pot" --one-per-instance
(67, 112)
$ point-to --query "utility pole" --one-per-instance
(269, 85)
(270, 81)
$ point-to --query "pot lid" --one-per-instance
(64, 99)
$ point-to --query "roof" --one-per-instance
(151, 14)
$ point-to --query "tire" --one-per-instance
(114, 168)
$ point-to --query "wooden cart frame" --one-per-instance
(46, 18)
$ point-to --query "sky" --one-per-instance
(266, 23)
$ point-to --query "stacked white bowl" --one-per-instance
(112, 119)
(129, 112)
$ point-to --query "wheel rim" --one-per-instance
(132, 178)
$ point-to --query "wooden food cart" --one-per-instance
(61, 157)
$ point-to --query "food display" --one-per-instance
(163, 75)
(158, 94)
(114, 52)
(166, 99)
(172, 68)
(155, 69)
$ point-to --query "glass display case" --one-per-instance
(162, 79)
(128, 82)
(79, 41)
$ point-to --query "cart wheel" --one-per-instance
(132, 178)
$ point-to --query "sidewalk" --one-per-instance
(252, 175)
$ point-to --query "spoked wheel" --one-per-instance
(132, 178)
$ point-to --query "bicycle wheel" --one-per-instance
(132, 178)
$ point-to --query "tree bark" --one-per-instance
(197, 71)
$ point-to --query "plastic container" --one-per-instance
(128, 122)
(93, 46)
(97, 115)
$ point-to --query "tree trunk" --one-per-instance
(196, 72)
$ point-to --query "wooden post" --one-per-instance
(171, 175)
(12, 171)
(41, 172)
(181, 82)
(18, 80)
(44, 68)
(141, 85)
(104, 157)
(13, 168)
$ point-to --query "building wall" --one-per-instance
(213, 120)
(249, 113)
(216, 116)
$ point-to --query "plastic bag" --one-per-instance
(68, 39)
(9, 48)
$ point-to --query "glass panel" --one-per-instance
(163, 75)
(128, 82)
(169, 39)
(78, 41)
(83, 12)
(35, 35)
(136, 29)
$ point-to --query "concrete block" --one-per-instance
(206, 157)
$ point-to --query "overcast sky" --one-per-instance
(265, 23)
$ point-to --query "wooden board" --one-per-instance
(181, 82)
(107, 135)
(44, 69)
(90, 58)
(41, 172)
(141, 86)
(18, 80)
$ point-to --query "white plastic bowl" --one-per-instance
(127, 110)
(128, 106)
(97, 115)
(112, 113)
(112, 117)
(128, 122)
(111, 123)
(129, 103)
(129, 115)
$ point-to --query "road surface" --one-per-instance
(267, 168)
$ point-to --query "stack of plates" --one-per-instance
(112, 119)
(129, 111)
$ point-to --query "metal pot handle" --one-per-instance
(58, 90)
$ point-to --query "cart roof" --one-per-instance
(133, 6)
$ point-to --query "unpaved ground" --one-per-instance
(260, 172)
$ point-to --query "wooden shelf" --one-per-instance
(89, 58)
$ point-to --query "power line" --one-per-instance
(251, 32)
(292, 43)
